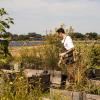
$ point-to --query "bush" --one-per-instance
(20, 89)
(95, 55)
(5, 56)
(31, 58)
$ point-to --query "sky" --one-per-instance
(41, 15)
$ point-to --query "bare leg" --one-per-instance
(71, 75)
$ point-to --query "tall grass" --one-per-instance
(20, 89)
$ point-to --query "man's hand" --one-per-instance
(72, 49)
(62, 54)
(59, 63)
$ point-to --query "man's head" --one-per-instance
(60, 32)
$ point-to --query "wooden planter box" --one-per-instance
(45, 82)
(74, 95)
(93, 74)
(39, 78)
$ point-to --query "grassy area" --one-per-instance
(46, 57)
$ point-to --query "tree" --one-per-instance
(77, 35)
(15, 37)
(91, 35)
(5, 22)
(34, 36)
(98, 37)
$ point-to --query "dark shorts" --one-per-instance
(70, 58)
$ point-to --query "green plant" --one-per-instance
(31, 58)
(20, 89)
(5, 22)
(50, 57)
(95, 55)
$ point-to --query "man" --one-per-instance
(66, 56)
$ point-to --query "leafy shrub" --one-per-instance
(31, 58)
(20, 89)
(95, 55)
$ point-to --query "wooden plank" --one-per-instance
(92, 97)
(74, 95)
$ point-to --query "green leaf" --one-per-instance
(11, 22)
(5, 24)
(2, 28)
(3, 12)
(10, 18)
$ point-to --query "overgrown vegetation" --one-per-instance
(19, 88)
(47, 56)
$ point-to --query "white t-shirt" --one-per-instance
(68, 43)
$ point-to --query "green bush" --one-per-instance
(5, 55)
(20, 89)
(5, 22)
(95, 56)
(31, 58)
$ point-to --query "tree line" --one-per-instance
(22, 37)
(35, 36)
(86, 36)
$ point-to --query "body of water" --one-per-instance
(25, 43)
(32, 43)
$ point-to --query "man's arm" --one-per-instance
(68, 51)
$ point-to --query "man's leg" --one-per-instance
(63, 80)
(71, 75)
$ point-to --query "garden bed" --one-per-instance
(71, 95)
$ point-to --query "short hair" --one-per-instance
(60, 30)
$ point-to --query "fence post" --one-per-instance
(82, 96)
